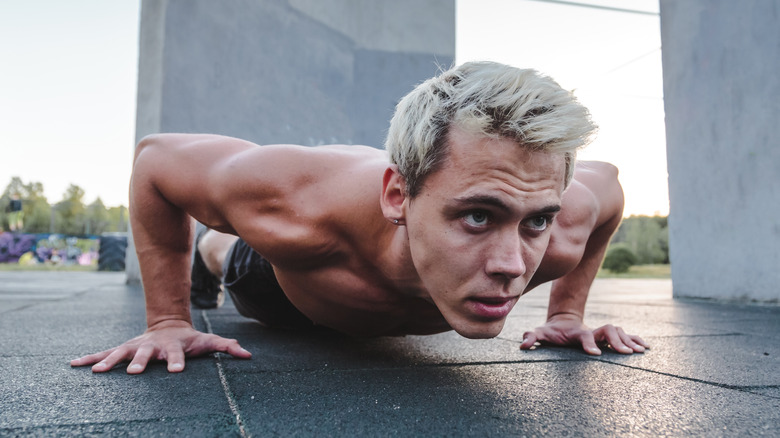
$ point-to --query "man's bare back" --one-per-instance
(361, 246)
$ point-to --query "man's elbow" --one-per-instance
(148, 141)
(616, 191)
(149, 153)
(607, 170)
(144, 144)
(153, 144)
(614, 198)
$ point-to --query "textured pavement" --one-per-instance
(713, 370)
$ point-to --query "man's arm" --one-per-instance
(170, 173)
(569, 293)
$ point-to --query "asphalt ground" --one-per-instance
(713, 370)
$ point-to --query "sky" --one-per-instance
(610, 59)
(67, 95)
(68, 85)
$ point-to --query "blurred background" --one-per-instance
(69, 85)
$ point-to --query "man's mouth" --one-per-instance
(491, 308)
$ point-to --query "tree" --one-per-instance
(619, 259)
(646, 237)
(97, 219)
(69, 216)
(70, 213)
(117, 217)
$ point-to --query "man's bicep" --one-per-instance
(273, 196)
(188, 171)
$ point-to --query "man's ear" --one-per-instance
(393, 195)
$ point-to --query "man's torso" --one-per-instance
(331, 266)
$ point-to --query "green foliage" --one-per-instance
(69, 216)
(96, 220)
(70, 213)
(619, 259)
(117, 219)
(37, 216)
(639, 271)
(646, 237)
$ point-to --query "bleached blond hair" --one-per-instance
(489, 99)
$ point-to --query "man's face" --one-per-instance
(480, 226)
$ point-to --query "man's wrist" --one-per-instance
(565, 315)
(161, 323)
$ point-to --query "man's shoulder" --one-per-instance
(309, 161)
(286, 170)
(594, 199)
(312, 205)
(595, 173)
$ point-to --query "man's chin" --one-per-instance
(479, 331)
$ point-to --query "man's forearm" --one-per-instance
(162, 233)
(569, 293)
(166, 287)
(165, 271)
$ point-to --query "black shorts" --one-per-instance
(251, 282)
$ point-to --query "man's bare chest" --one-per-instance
(358, 303)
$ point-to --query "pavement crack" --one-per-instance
(90, 428)
(710, 335)
(743, 388)
(490, 362)
(457, 364)
(231, 398)
(331, 370)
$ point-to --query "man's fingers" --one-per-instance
(614, 337)
(630, 344)
(90, 359)
(588, 342)
(635, 342)
(170, 344)
(141, 358)
(231, 347)
(239, 352)
(109, 362)
(175, 360)
(640, 341)
(529, 341)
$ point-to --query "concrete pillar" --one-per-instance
(722, 98)
(309, 72)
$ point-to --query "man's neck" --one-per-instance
(393, 259)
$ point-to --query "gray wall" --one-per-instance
(721, 61)
(285, 71)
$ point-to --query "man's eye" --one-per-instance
(539, 223)
(477, 218)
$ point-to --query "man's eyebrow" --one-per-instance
(496, 202)
(554, 208)
(493, 201)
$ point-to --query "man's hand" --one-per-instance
(566, 329)
(170, 341)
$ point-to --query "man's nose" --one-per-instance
(507, 258)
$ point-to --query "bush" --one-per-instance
(647, 237)
(619, 259)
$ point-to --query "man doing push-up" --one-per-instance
(475, 201)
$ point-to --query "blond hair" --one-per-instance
(489, 99)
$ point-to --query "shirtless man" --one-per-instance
(468, 214)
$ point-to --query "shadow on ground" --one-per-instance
(713, 370)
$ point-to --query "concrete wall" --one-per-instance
(721, 61)
(285, 71)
